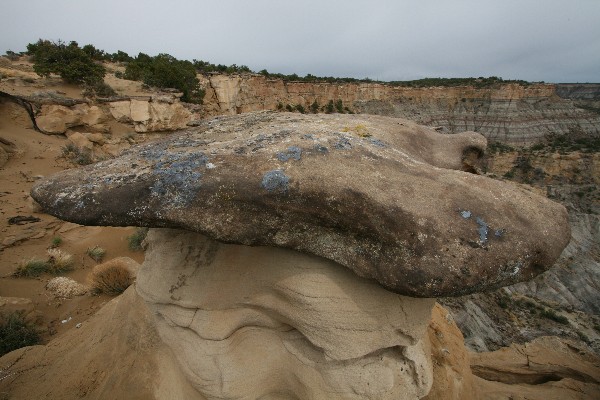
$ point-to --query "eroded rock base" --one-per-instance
(262, 322)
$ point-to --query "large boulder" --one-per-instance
(387, 198)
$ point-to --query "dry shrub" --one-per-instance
(111, 278)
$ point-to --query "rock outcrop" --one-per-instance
(119, 354)
(157, 113)
(56, 119)
(370, 193)
(253, 291)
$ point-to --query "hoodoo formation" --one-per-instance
(297, 256)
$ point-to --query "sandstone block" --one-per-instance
(56, 119)
(270, 321)
(81, 141)
(121, 111)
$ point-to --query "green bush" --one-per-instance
(329, 108)
(314, 107)
(100, 89)
(69, 61)
(135, 240)
(165, 71)
(16, 333)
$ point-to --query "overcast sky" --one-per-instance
(542, 40)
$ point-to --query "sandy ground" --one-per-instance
(39, 155)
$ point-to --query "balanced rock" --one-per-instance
(387, 198)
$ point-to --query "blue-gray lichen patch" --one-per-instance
(376, 142)
(321, 149)
(292, 152)
(483, 230)
(343, 143)
(177, 177)
(275, 181)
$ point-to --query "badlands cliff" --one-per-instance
(509, 113)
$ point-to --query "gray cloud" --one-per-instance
(551, 40)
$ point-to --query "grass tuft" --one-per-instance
(56, 241)
(96, 253)
(59, 261)
(32, 268)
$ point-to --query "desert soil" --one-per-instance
(38, 155)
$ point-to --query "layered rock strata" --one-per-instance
(509, 112)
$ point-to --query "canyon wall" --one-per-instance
(509, 113)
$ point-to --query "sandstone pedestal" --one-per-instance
(261, 322)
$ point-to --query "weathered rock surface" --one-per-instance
(547, 368)
(276, 323)
(382, 196)
(452, 376)
(116, 354)
(7, 149)
(56, 119)
(157, 113)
